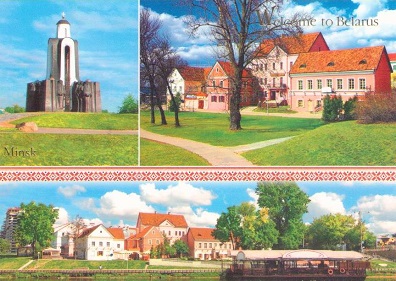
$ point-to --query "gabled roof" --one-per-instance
(392, 56)
(301, 43)
(359, 59)
(156, 219)
(117, 232)
(88, 231)
(229, 70)
(201, 233)
(142, 233)
(190, 73)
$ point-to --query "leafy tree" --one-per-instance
(177, 100)
(35, 225)
(350, 109)
(129, 105)
(181, 248)
(246, 227)
(5, 246)
(286, 204)
(14, 109)
(237, 26)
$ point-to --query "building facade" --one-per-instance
(9, 227)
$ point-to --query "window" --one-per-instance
(351, 83)
(150, 242)
(300, 103)
(100, 244)
(93, 243)
(319, 84)
(261, 81)
(169, 233)
(265, 81)
(108, 244)
(300, 84)
(273, 66)
(281, 65)
(199, 245)
(318, 103)
(330, 63)
(339, 84)
(157, 242)
(310, 84)
(205, 245)
(99, 253)
(180, 88)
(221, 99)
(212, 99)
(362, 84)
(265, 67)
(281, 81)
(329, 83)
(221, 84)
(175, 233)
(118, 246)
(210, 245)
(261, 66)
(273, 82)
(213, 83)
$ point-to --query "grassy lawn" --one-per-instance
(339, 144)
(70, 150)
(212, 128)
(72, 264)
(158, 154)
(12, 262)
(100, 121)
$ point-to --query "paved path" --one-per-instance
(250, 111)
(257, 145)
(216, 156)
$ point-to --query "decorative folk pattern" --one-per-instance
(139, 174)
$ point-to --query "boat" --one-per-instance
(302, 265)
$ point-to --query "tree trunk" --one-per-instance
(235, 101)
(177, 122)
(152, 107)
(162, 112)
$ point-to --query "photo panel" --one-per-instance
(69, 77)
(304, 84)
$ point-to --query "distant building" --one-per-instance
(348, 73)
(392, 59)
(62, 90)
(9, 227)
(141, 244)
(64, 237)
(204, 246)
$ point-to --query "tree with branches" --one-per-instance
(237, 26)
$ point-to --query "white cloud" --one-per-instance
(63, 216)
(324, 203)
(368, 8)
(71, 191)
(252, 193)
(181, 194)
(116, 204)
(196, 218)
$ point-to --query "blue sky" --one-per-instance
(198, 51)
(118, 203)
(106, 31)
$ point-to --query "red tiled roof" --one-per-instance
(301, 43)
(117, 232)
(229, 70)
(142, 233)
(190, 73)
(392, 56)
(199, 233)
(156, 219)
(358, 59)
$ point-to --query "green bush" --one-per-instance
(129, 105)
(332, 107)
(350, 109)
(14, 109)
(178, 101)
(377, 108)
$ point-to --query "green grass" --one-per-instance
(158, 154)
(73, 264)
(8, 262)
(338, 144)
(280, 109)
(212, 128)
(70, 150)
(100, 121)
(375, 263)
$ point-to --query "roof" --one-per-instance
(359, 59)
(155, 219)
(88, 231)
(117, 232)
(296, 254)
(229, 70)
(190, 73)
(301, 43)
(62, 21)
(200, 233)
(392, 56)
(141, 234)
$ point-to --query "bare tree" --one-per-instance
(237, 27)
(149, 39)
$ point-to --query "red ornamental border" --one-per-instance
(151, 174)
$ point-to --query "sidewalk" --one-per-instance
(216, 156)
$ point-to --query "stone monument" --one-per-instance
(62, 90)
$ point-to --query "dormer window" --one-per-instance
(304, 65)
(363, 61)
(330, 63)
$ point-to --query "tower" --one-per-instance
(62, 90)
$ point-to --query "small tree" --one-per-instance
(349, 109)
(332, 107)
(5, 246)
(14, 109)
(181, 248)
(129, 105)
(177, 100)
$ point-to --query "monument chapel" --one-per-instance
(62, 90)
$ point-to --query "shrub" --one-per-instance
(377, 108)
(178, 101)
(332, 107)
(129, 105)
(350, 109)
